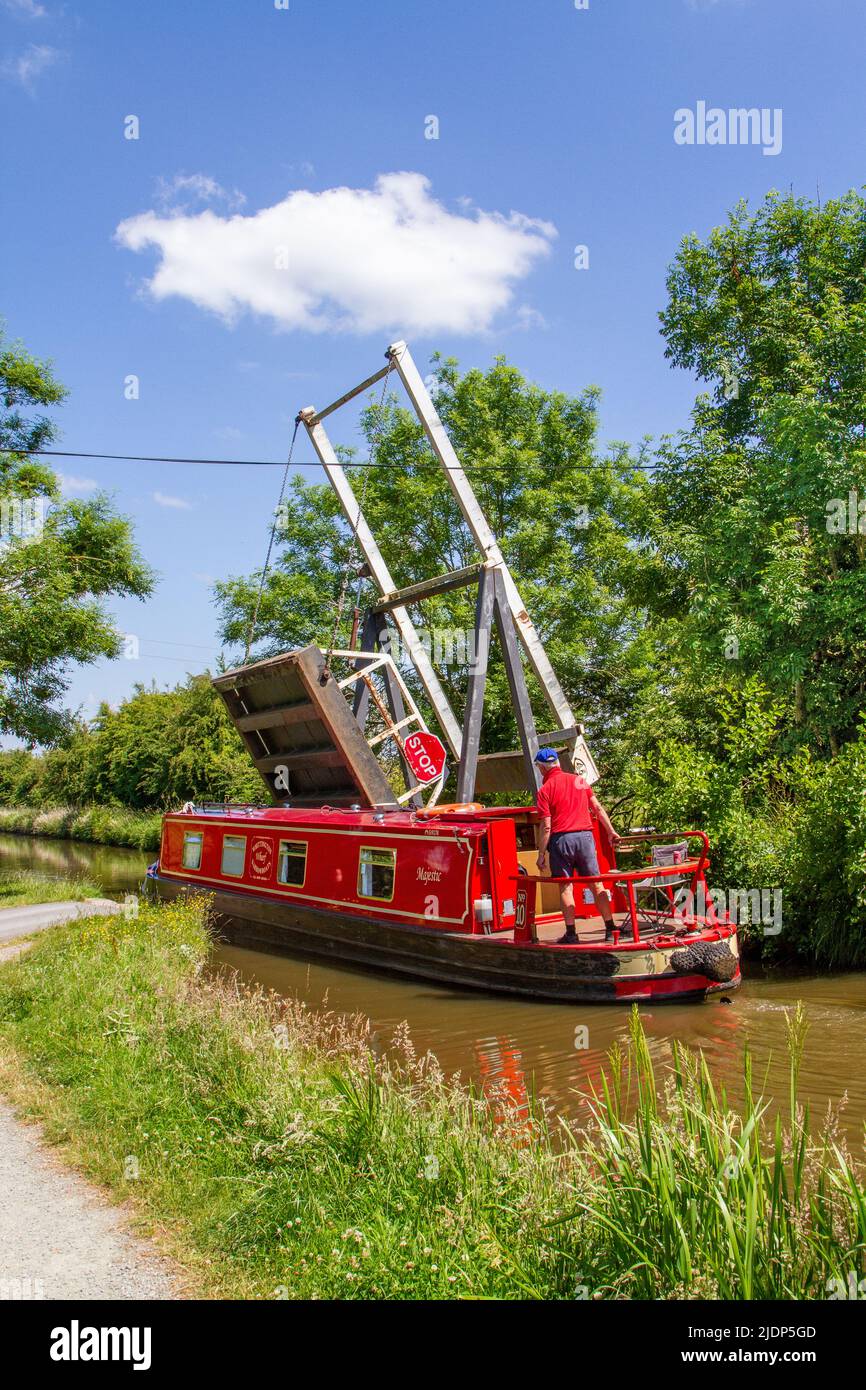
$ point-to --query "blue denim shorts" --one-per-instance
(573, 852)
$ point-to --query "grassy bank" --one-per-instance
(101, 825)
(26, 887)
(285, 1159)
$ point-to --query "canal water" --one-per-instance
(555, 1050)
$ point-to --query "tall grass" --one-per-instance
(697, 1197)
(26, 886)
(289, 1159)
(102, 825)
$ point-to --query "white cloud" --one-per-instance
(163, 499)
(178, 195)
(527, 318)
(70, 484)
(25, 9)
(355, 259)
(30, 64)
(229, 433)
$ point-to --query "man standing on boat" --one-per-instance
(567, 804)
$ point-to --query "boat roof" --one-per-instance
(362, 818)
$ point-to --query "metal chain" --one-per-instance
(252, 627)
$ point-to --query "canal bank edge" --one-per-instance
(100, 825)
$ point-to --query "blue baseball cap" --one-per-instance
(547, 755)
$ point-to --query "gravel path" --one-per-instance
(21, 921)
(59, 1237)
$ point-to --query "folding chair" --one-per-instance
(653, 895)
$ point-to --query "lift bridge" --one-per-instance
(304, 715)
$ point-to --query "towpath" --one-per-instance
(59, 1236)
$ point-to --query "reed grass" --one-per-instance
(281, 1155)
(102, 825)
(27, 886)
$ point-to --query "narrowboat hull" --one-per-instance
(688, 968)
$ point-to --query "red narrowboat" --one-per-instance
(446, 898)
(355, 862)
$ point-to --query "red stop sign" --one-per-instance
(425, 754)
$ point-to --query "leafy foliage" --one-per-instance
(749, 511)
(56, 574)
(158, 748)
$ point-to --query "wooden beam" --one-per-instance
(338, 746)
(253, 740)
(559, 736)
(314, 416)
(310, 757)
(426, 588)
(475, 691)
(281, 717)
(516, 680)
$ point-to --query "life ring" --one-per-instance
(457, 808)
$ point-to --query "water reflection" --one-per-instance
(116, 871)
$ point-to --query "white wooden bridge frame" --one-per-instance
(498, 594)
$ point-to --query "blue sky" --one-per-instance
(556, 128)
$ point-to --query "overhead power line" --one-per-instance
(307, 463)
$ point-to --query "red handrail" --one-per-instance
(632, 876)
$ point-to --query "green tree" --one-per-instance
(760, 563)
(59, 562)
(157, 749)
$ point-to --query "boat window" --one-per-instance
(192, 849)
(292, 866)
(376, 874)
(234, 853)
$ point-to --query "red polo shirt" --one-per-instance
(565, 797)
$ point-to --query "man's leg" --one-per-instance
(566, 898)
(561, 866)
(587, 863)
(602, 902)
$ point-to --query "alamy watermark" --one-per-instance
(21, 519)
(738, 125)
(846, 516)
(445, 646)
(21, 1290)
(758, 906)
(850, 1288)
